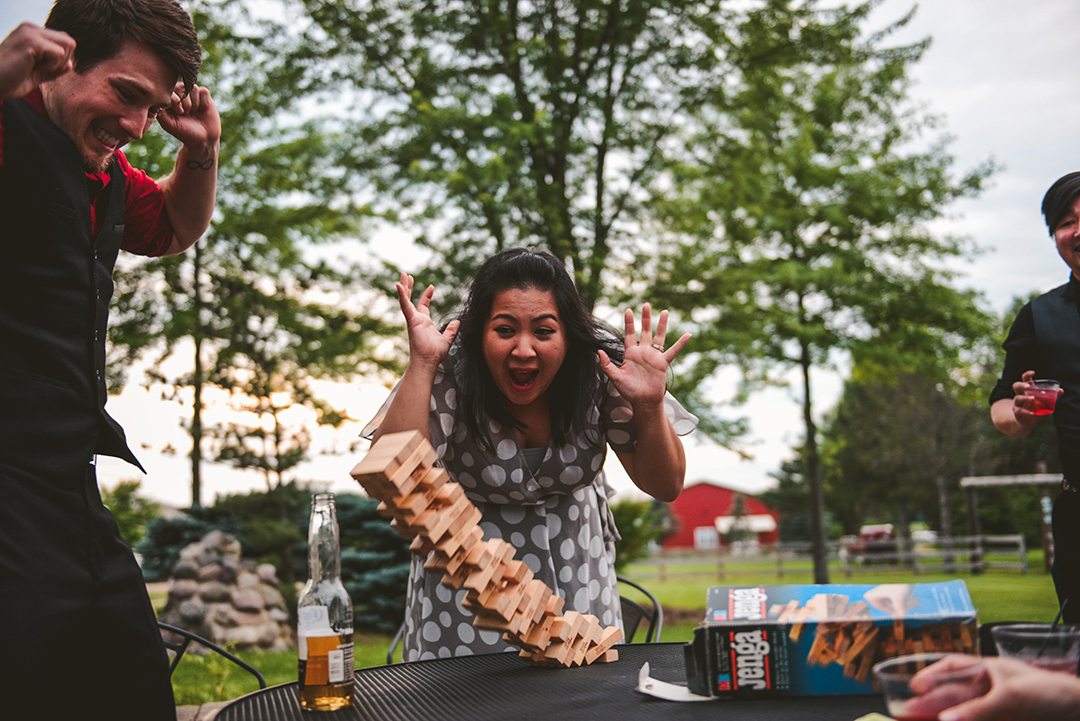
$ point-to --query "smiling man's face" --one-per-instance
(1067, 237)
(112, 103)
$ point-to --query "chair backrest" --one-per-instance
(394, 644)
(634, 613)
(180, 647)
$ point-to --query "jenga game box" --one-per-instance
(812, 640)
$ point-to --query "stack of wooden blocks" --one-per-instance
(502, 594)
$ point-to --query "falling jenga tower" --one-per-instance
(443, 523)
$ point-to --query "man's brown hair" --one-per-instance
(101, 27)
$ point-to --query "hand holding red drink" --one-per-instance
(1035, 398)
(1044, 394)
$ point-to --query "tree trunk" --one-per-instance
(197, 384)
(946, 518)
(813, 479)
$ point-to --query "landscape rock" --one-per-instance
(233, 601)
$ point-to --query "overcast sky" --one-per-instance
(1002, 76)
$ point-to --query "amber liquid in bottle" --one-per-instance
(325, 617)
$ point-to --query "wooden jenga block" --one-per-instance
(843, 643)
(457, 578)
(410, 505)
(608, 637)
(480, 555)
(505, 601)
(535, 596)
(481, 578)
(609, 656)
(460, 532)
(835, 605)
(466, 540)
(489, 621)
(589, 635)
(799, 624)
(436, 561)
(859, 609)
(438, 523)
(814, 656)
(863, 638)
(517, 572)
(541, 608)
(864, 667)
(567, 626)
(435, 511)
(403, 529)
(540, 634)
(420, 546)
(391, 460)
(788, 610)
(968, 637)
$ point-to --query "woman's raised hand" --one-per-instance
(642, 378)
(427, 344)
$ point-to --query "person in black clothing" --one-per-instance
(78, 636)
(1044, 342)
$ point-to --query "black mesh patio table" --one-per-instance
(505, 687)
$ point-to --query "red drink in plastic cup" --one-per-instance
(1044, 394)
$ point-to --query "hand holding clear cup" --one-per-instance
(917, 688)
(1035, 397)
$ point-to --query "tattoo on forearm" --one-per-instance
(196, 165)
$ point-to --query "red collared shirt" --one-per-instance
(147, 230)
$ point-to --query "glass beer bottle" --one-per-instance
(325, 617)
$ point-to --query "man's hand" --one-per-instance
(194, 121)
(190, 189)
(1013, 416)
(30, 55)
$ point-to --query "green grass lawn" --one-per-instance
(997, 595)
(203, 679)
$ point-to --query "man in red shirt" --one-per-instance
(78, 636)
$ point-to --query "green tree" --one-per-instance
(272, 526)
(132, 511)
(897, 447)
(640, 523)
(497, 124)
(806, 214)
(256, 307)
(790, 499)
(375, 562)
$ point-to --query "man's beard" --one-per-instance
(96, 163)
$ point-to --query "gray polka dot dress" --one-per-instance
(551, 504)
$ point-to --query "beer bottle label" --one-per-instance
(325, 658)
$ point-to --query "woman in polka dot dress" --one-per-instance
(520, 397)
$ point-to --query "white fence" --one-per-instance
(973, 554)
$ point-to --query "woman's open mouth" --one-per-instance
(523, 380)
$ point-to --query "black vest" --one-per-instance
(1057, 332)
(55, 287)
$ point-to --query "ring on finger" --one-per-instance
(658, 347)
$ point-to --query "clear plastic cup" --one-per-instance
(1054, 648)
(1045, 395)
(939, 690)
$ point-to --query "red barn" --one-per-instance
(706, 514)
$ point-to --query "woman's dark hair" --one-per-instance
(576, 385)
(1058, 201)
(101, 27)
